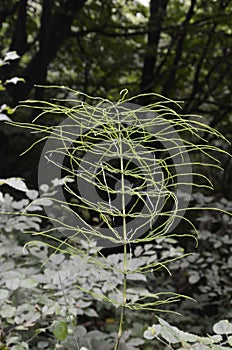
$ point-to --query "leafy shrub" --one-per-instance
(174, 338)
(206, 274)
(42, 294)
(43, 299)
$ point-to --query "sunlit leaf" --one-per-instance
(15, 182)
(60, 330)
(11, 55)
(14, 80)
(3, 117)
(223, 327)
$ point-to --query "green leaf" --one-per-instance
(29, 283)
(170, 334)
(44, 201)
(15, 182)
(12, 283)
(7, 311)
(3, 293)
(60, 330)
(11, 55)
(194, 278)
(91, 313)
(6, 108)
(223, 327)
(22, 346)
(230, 340)
(4, 117)
(81, 332)
(44, 188)
(14, 80)
(135, 342)
(152, 332)
(32, 194)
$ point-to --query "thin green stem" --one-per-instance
(122, 315)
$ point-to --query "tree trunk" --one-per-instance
(157, 15)
(19, 39)
(54, 29)
(170, 81)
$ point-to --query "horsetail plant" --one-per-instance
(126, 173)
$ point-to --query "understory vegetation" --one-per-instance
(43, 306)
(61, 289)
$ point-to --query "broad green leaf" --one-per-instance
(12, 283)
(200, 347)
(194, 278)
(20, 204)
(216, 338)
(43, 345)
(223, 327)
(12, 340)
(83, 304)
(22, 346)
(136, 277)
(3, 117)
(60, 330)
(91, 313)
(135, 342)
(11, 55)
(170, 334)
(56, 259)
(152, 332)
(7, 311)
(15, 182)
(44, 188)
(3, 293)
(28, 283)
(32, 194)
(14, 80)
(81, 331)
(230, 340)
(44, 201)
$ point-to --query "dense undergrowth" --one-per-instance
(59, 291)
(43, 308)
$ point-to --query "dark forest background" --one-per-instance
(181, 49)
